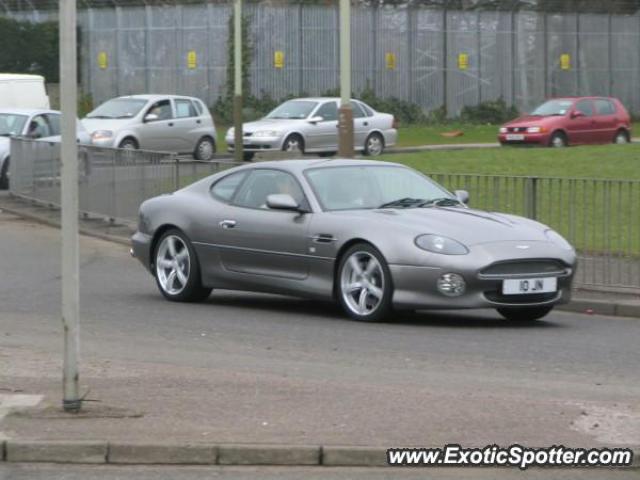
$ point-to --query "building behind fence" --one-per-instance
(601, 218)
(429, 56)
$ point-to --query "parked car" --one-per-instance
(166, 123)
(570, 121)
(33, 124)
(310, 125)
(370, 235)
(23, 91)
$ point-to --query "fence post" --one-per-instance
(176, 161)
(531, 197)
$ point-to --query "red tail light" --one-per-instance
(395, 123)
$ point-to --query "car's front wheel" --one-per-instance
(177, 270)
(525, 314)
(4, 176)
(622, 137)
(293, 143)
(205, 149)
(128, 144)
(364, 287)
(558, 140)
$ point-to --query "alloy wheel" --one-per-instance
(205, 150)
(362, 283)
(173, 265)
(374, 145)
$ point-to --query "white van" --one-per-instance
(23, 91)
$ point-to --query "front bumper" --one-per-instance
(527, 139)
(415, 287)
(141, 249)
(256, 144)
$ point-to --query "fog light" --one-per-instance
(451, 285)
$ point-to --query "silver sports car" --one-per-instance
(310, 125)
(373, 236)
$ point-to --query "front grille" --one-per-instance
(248, 134)
(517, 129)
(519, 268)
(498, 297)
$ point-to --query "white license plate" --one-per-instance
(529, 285)
(515, 136)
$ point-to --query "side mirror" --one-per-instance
(151, 117)
(316, 119)
(577, 114)
(463, 196)
(282, 201)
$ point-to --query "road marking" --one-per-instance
(11, 403)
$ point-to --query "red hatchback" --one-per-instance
(570, 121)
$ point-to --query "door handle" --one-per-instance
(227, 224)
(198, 122)
(171, 124)
(366, 124)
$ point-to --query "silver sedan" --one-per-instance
(373, 236)
(310, 125)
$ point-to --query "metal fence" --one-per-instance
(430, 56)
(601, 218)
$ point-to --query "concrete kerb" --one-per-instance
(20, 451)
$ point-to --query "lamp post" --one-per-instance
(345, 115)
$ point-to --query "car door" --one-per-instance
(38, 127)
(581, 124)
(158, 133)
(361, 125)
(186, 124)
(606, 121)
(323, 135)
(261, 242)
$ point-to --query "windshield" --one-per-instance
(118, 108)
(553, 107)
(372, 186)
(294, 109)
(11, 124)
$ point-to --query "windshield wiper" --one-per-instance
(101, 117)
(403, 203)
(441, 202)
(6, 134)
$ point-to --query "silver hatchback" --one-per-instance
(154, 122)
(310, 125)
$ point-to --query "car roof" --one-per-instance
(20, 76)
(154, 96)
(303, 164)
(27, 111)
(320, 99)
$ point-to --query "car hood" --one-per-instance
(112, 124)
(534, 120)
(269, 124)
(469, 226)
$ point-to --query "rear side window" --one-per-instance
(605, 107)
(367, 109)
(185, 109)
(358, 112)
(199, 106)
(225, 189)
(586, 107)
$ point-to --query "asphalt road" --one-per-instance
(57, 472)
(257, 368)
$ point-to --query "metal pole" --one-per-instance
(69, 201)
(237, 94)
(345, 125)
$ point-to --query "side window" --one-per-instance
(358, 112)
(328, 111)
(262, 183)
(38, 127)
(605, 107)
(367, 109)
(54, 123)
(185, 109)
(162, 109)
(586, 107)
(199, 107)
(224, 189)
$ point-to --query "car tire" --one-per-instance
(363, 283)
(374, 145)
(128, 144)
(205, 149)
(621, 138)
(4, 176)
(248, 156)
(558, 140)
(177, 270)
(293, 143)
(326, 154)
(525, 314)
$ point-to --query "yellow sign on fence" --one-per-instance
(390, 60)
(192, 59)
(565, 61)
(278, 59)
(463, 61)
(103, 60)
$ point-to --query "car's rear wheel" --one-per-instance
(177, 270)
(4, 176)
(558, 140)
(622, 137)
(128, 144)
(374, 145)
(248, 156)
(364, 287)
(525, 314)
(205, 149)
(293, 143)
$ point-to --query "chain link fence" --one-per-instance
(601, 218)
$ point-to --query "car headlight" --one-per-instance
(504, 129)
(231, 132)
(265, 133)
(535, 130)
(558, 239)
(101, 135)
(440, 244)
